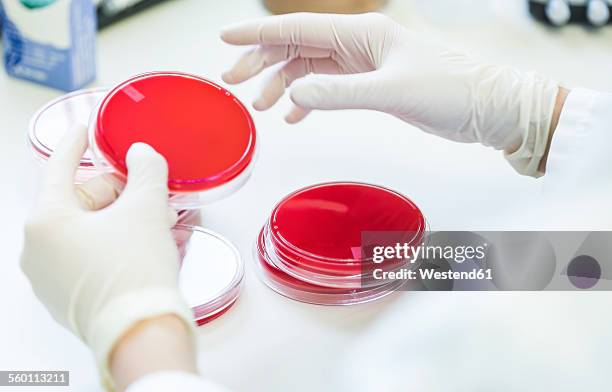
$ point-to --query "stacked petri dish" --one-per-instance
(316, 245)
(212, 271)
(54, 119)
(209, 141)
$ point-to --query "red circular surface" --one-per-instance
(324, 223)
(206, 134)
(288, 281)
(306, 266)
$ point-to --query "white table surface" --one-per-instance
(267, 341)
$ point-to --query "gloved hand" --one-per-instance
(368, 61)
(100, 272)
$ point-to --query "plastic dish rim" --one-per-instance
(300, 252)
(43, 152)
(320, 278)
(327, 299)
(231, 291)
(118, 178)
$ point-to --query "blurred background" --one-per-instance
(549, 35)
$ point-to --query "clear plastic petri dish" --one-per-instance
(211, 268)
(205, 133)
(54, 119)
(362, 277)
(315, 233)
(188, 218)
(212, 271)
(302, 291)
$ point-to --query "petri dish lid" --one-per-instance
(347, 275)
(206, 134)
(211, 273)
(324, 223)
(302, 291)
(54, 119)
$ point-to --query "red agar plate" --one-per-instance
(206, 135)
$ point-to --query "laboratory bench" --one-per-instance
(268, 342)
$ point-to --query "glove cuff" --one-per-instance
(538, 103)
(119, 315)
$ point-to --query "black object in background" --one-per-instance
(110, 11)
(578, 13)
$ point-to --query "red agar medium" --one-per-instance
(299, 290)
(206, 135)
(324, 223)
(288, 281)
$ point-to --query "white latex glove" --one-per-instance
(100, 272)
(368, 61)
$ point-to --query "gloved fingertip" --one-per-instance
(64, 162)
(80, 131)
(228, 77)
(147, 174)
(292, 118)
(223, 34)
(142, 155)
(226, 34)
(297, 114)
(260, 105)
(234, 34)
(140, 150)
(301, 94)
(74, 143)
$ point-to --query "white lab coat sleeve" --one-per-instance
(174, 381)
(577, 186)
(580, 155)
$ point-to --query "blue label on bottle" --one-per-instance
(67, 68)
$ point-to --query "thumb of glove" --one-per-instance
(331, 92)
(147, 175)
